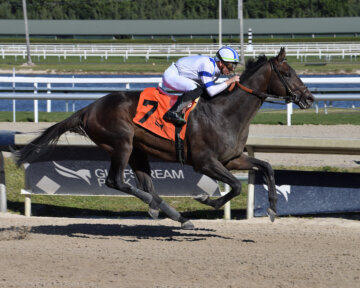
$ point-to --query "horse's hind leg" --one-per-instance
(140, 165)
(120, 150)
(115, 178)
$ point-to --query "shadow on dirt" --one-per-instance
(131, 233)
(46, 210)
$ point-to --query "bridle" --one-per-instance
(290, 96)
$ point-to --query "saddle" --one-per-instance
(152, 105)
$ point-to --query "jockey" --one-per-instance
(194, 73)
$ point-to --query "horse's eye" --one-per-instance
(287, 74)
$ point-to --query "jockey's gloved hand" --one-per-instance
(233, 79)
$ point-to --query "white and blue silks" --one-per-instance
(190, 72)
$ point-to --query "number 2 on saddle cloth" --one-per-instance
(153, 104)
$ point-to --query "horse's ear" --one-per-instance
(281, 55)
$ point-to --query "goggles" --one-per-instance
(230, 65)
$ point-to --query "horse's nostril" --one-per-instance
(309, 102)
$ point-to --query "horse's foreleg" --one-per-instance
(217, 171)
(245, 162)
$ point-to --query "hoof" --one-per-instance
(202, 198)
(188, 225)
(154, 213)
(272, 214)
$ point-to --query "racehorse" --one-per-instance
(214, 143)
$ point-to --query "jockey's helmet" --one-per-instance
(228, 56)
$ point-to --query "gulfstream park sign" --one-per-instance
(83, 171)
(129, 175)
(101, 174)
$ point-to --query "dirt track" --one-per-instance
(292, 252)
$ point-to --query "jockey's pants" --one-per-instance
(172, 80)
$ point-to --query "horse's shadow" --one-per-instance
(131, 233)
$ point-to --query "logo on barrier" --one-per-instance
(83, 174)
(101, 174)
(309, 192)
(83, 171)
(284, 190)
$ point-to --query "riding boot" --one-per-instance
(174, 114)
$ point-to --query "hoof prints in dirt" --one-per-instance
(14, 233)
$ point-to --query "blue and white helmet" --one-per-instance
(227, 54)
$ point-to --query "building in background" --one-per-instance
(180, 29)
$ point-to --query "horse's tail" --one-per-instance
(50, 136)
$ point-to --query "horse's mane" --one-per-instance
(253, 65)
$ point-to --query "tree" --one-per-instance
(5, 11)
(176, 9)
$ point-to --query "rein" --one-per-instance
(262, 96)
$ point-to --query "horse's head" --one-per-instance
(286, 83)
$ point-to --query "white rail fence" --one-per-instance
(301, 50)
(88, 93)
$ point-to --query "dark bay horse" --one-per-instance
(216, 135)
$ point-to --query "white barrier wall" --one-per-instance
(272, 144)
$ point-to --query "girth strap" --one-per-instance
(179, 145)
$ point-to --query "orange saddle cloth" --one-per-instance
(153, 104)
